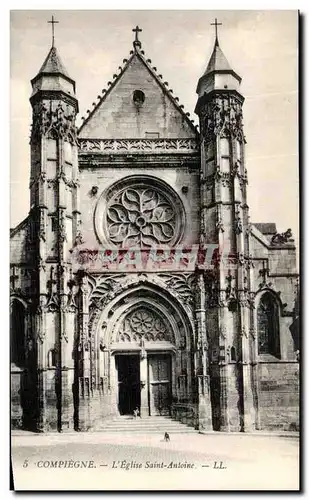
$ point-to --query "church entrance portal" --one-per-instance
(129, 393)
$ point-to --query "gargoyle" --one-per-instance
(280, 238)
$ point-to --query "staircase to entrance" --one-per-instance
(148, 425)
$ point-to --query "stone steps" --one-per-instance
(148, 425)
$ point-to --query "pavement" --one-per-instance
(105, 462)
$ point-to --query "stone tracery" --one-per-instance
(141, 216)
(144, 324)
(139, 212)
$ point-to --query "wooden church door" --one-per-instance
(159, 380)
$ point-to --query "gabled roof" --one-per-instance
(138, 53)
(19, 227)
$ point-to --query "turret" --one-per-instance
(224, 221)
(55, 220)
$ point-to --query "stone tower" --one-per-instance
(224, 221)
(54, 221)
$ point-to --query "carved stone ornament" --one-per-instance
(282, 238)
(222, 332)
(71, 304)
(135, 145)
(105, 289)
(230, 289)
(252, 332)
(78, 239)
(144, 324)
(238, 223)
(223, 118)
(54, 121)
(241, 259)
(220, 225)
(212, 289)
(181, 284)
(235, 169)
(42, 232)
(61, 226)
(64, 336)
(52, 303)
(141, 216)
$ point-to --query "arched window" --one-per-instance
(268, 325)
(18, 333)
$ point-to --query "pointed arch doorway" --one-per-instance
(143, 351)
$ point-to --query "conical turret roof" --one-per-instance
(53, 75)
(53, 64)
(218, 75)
(217, 61)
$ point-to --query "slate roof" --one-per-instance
(266, 227)
(19, 227)
(218, 63)
(53, 64)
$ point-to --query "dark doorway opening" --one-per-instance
(129, 392)
(18, 334)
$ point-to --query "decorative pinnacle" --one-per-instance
(53, 22)
(216, 24)
(137, 42)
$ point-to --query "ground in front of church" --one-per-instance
(100, 461)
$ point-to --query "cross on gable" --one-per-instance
(137, 42)
(53, 22)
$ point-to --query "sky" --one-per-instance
(261, 46)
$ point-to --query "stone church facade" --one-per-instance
(95, 333)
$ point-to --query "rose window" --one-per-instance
(141, 217)
(144, 324)
(141, 322)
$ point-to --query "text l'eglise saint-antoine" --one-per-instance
(132, 464)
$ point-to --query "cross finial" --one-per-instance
(53, 22)
(137, 42)
(216, 24)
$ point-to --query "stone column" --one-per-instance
(41, 369)
(144, 409)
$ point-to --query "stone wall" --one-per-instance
(278, 396)
(119, 117)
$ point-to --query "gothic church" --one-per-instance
(214, 347)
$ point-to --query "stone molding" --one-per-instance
(138, 145)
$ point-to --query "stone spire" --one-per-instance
(53, 75)
(218, 74)
(53, 64)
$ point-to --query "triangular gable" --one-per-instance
(117, 115)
